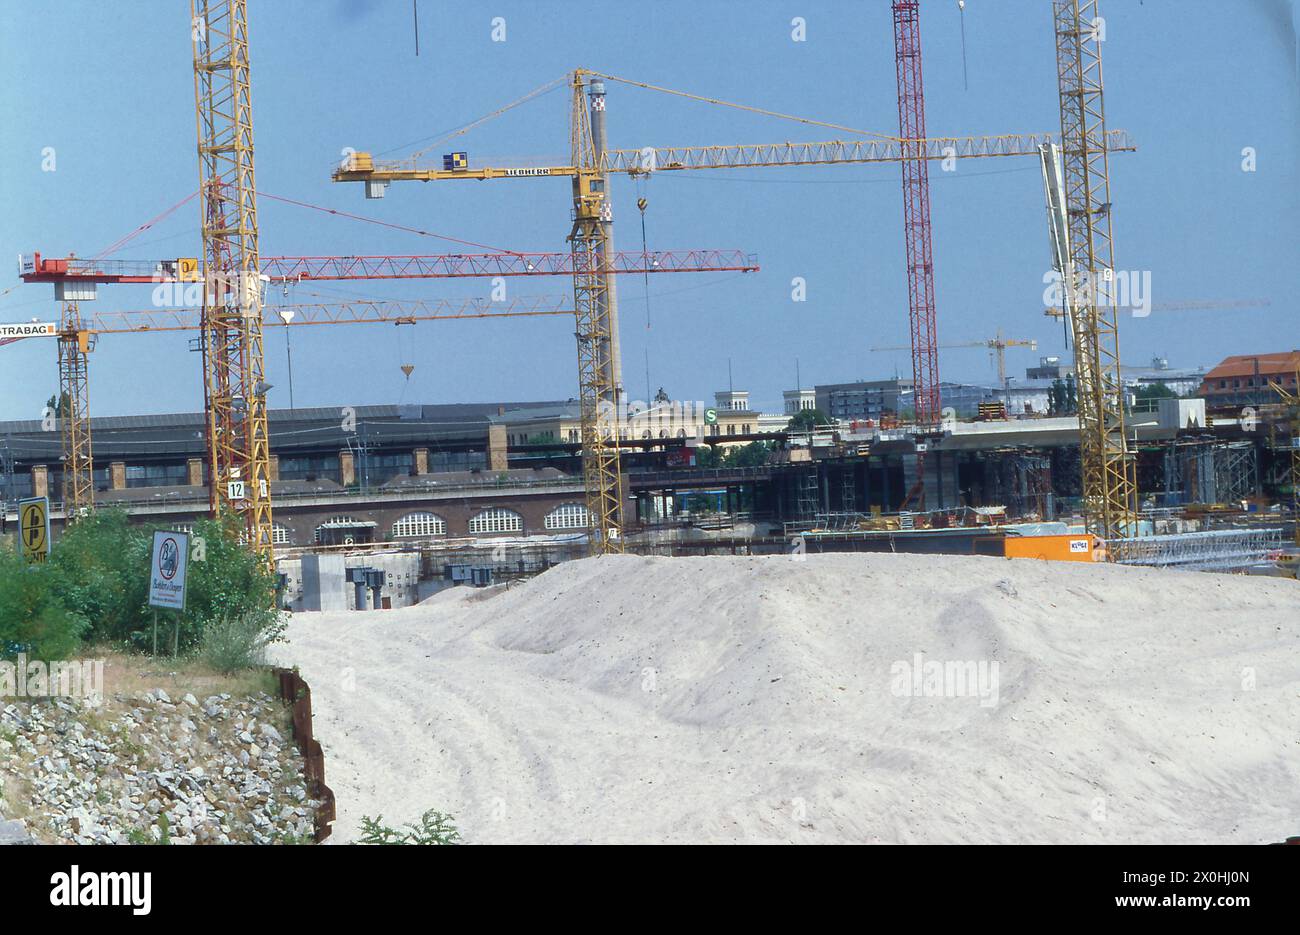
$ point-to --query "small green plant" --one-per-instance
(434, 828)
(231, 644)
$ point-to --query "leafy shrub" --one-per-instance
(231, 644)
(434, 828)
(230, 583)
(100, 566)
(96, 585)
(32, 618)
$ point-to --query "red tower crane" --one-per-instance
(916, 220)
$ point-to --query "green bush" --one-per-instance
(230, 644)
(95, 586)
(101, 573)
(32, 618)
(228, 583)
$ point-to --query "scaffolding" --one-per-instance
(1022, 481)
(1206, 471)
(808, 495)
(1219, 550)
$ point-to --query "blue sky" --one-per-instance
(109, 87)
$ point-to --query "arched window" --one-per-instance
(336, 521)
(497, 520)
(419, 524)
(567, 516)
(280, 534)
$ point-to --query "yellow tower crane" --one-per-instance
(589, 168)
(1079, 203)
(997, 345)
(74, 418)
(234, 387)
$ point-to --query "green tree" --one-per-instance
(101, 568)
(752, 455)
(1056, 397)
(805, 420)
(33, 620)
(1155, 391)
(708, 456)
(59, 405)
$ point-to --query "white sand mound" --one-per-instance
(759, 699)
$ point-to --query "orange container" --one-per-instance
(1081, 547)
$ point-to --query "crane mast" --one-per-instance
(1108, 476)
(916, 214)
(74, 417)
(597, 392)
(233, 385)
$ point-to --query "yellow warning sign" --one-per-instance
(34, 528)
(187, 269)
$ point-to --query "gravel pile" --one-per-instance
(144, 768)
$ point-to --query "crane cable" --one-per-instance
(123, 241)
(642, 203)
(461, 131)
(400, 227)
(756, 110)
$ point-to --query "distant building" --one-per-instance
(797, 401)
(1184, 382)
(1049, 368)
(1242, 380)
(865, 399)
(737, 400)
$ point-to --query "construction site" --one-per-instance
(574, 611)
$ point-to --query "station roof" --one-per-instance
(181, 435)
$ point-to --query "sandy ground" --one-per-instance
(636, 699)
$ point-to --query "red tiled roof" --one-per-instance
(1247, 365)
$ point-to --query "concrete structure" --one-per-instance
(314, 581)
(1181, 413)
(321, 584)
(1049, 368)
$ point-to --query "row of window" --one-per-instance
(421, 525)
(1263, 381)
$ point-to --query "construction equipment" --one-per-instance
(1191, 305)
(74, 401)
(996, 345)
(590, 166)
(234, 387)
(1291, 399)
(916, 218)
(1079, 203)
(76, 337)
(351, 312)
(294, 269)
(73, 276)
